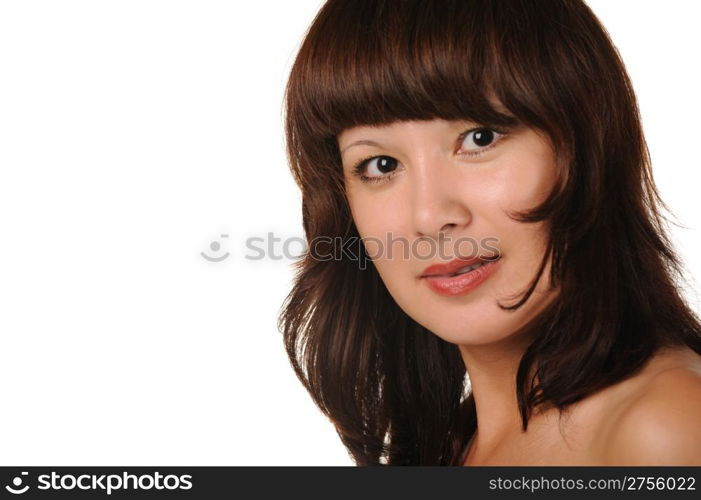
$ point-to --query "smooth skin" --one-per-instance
(445, 180)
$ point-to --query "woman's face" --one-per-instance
(442, 190)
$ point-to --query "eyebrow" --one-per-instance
(362, 142)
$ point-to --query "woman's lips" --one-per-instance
(449, 268)
(461, 284)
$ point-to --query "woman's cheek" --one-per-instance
(373, 221)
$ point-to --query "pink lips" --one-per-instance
(441, 278)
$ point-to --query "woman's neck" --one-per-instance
(492, 372)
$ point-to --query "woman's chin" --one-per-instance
(478, 334)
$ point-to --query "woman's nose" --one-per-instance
(437, 205)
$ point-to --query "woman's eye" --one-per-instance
(476, 142)
(381, 165)
(376, 168)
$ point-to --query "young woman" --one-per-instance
(522, 302)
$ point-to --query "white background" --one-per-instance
(135, 133)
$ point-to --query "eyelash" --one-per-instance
(359, 167)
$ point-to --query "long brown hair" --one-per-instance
(395, 391)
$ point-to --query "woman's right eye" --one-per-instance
(375, 168)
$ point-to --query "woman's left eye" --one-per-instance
(478, 141)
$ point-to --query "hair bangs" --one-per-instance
(368, 69)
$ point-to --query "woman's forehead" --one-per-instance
(348, 134)
(351, 132)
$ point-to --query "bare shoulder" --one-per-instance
(659, 422)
